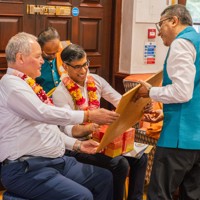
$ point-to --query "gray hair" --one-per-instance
(180, 11)
(19, 43)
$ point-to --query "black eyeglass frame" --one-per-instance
(79, 67)
(159, 24)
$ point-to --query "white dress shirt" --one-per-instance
(181, 70)
(29, 126)
(62, 97)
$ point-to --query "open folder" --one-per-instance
(130, 112)
(138, 150)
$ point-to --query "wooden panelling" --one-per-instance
(90, 1)
(89, 34)
(92, 29)
(183, 2)
(62, 25)
(60, 2)
(93, 32)
(8, 9)
(11, 1)
(119, 82)
(8, 27)
(11, 22)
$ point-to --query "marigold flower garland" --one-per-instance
(79, 101)
(36, 87)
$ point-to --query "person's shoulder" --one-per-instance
(97, 77)
(7, 78)
(11, 83)
(59, 89)
(182, 43)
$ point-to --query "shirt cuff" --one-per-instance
(69, 142)
(78, 117)
(153, 93)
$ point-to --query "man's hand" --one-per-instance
(143, 91)
(89, 146)
(84, 130)
(103, 116)
(154, 117)
(92, 127)
(148, 108)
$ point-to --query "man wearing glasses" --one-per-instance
(80, 90)
(52, 69)
(177, 157)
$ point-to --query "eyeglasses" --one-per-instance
(159, 24)
(79, 67)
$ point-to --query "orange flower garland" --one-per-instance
(36, 87)
(79, 100)
(92, 94)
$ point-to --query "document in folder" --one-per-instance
(130, 112)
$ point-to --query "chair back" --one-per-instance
(128, 84)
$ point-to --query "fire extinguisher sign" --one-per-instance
(149, 52)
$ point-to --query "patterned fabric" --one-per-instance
(140, 136)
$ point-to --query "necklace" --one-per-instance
(79, 101)
(36, 87)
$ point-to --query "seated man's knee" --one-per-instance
(121, 165)
(107, 176)
(84, 195)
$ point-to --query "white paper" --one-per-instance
(138, 150)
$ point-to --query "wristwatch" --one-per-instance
(148, 89)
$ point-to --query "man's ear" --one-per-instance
(19, 58)
(175, 20)
(65, 66)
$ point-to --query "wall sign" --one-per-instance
(75, 11)
(149, 52)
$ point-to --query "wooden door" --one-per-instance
(90, 29)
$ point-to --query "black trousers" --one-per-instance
(175, 168)
(119, 166)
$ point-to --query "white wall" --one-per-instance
(133, 37)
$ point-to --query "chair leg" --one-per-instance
(126, 189)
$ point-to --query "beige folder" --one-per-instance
(130, 112)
